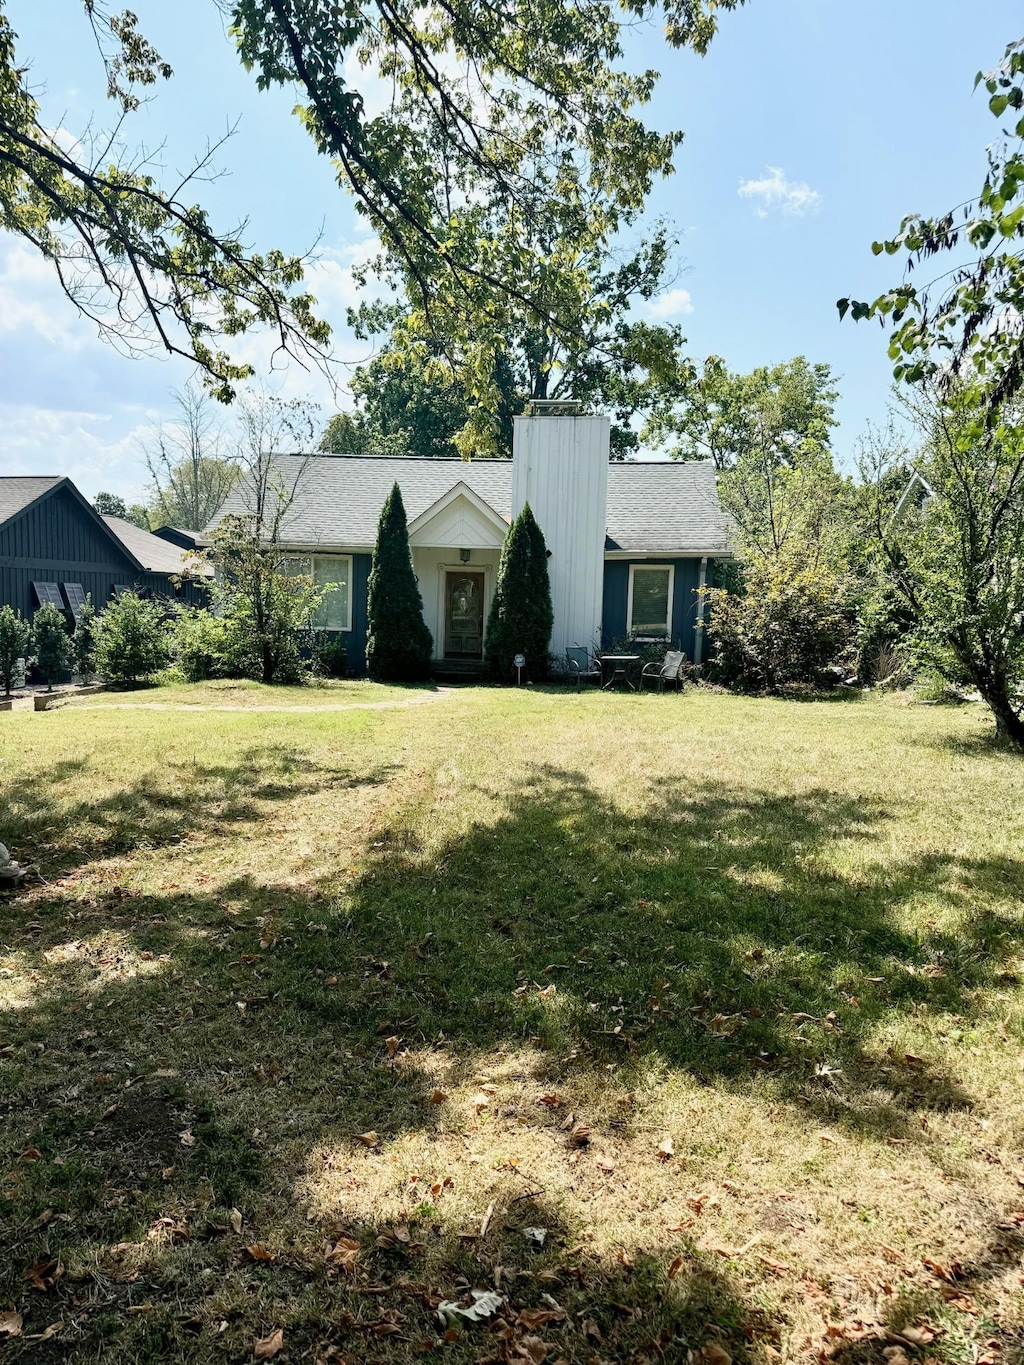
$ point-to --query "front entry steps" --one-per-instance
(457, 670)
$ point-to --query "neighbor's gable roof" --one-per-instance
(154, 554)
(18, 492)
(653, 508)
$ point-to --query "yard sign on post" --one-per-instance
(520, 663)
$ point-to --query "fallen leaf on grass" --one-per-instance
(605, 1163)
(438, 1097)
(713, 1354)
(896, 1355)
(535, 1236)
(44, 1275)
(675, 1267)
(551, 1101)
(533, 1318)
(918, 1336)
(264, 1348)
(187, 1138)
(258, 1252)
(345, 1253)
(236, 1220)
(392, 1044)
(480, 1101)
(533, 1349)
(368, 1139)
(580, 1136)
(11, 1324)
(31, 1154)
(666, 1149)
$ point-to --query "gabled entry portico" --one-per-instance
(456, 543)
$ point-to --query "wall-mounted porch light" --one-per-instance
(464, 556)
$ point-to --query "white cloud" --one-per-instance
(94, 450)
(671, 304)
(775, 191)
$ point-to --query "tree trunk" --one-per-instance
(1009, 723)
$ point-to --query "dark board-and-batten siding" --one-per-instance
(684, 600)
(57, 541)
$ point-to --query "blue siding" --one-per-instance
(684, 604)
(354, 640)
(57, 541)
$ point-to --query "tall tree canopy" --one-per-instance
(776, 410)
(486, 98)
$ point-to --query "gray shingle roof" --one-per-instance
(17, 491)
(155, 555)
(652, 507)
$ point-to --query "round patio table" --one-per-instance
(618, 668)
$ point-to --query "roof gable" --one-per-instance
(21, 499)
(459, 517)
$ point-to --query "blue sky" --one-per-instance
(811, 127)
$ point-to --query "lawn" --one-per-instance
(309, 1017)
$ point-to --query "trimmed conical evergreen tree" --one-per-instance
(521, 618)
(398, 643)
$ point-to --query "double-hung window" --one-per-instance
(332, 578)
(650, 599)
(332, 575)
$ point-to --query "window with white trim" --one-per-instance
(650, 599)
(331, 575)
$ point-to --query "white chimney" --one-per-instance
(560, 467)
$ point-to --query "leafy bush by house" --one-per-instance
(266, 608)
(789, 625)
(398, 643)
(205, 646)
(131, 640)
(15, 644)
(83, 642)
(521, 617)
(52, 643)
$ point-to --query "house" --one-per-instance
(55, 547)
(630, 544)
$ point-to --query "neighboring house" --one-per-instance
(55, 547)
(629, 544)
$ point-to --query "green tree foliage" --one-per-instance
(790, 610)
(598, 353)
(774, 411)
(267, 604)
(113, 505)
(955, 556)
(792, 621)
(146, 266)
(520, 618)
(496, 185)
(958, 350)
(206, 646)
(191, 478)
(398, 643)
(131, 640)
(15, 645)
(52, 643)
(83, 642)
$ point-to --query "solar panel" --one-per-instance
(48, 593)
(74, 596)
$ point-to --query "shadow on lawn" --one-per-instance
(160, 808)
(708, 935)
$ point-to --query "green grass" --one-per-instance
(787, 936)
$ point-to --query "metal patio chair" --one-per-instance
(666, 672)
(580, 667)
